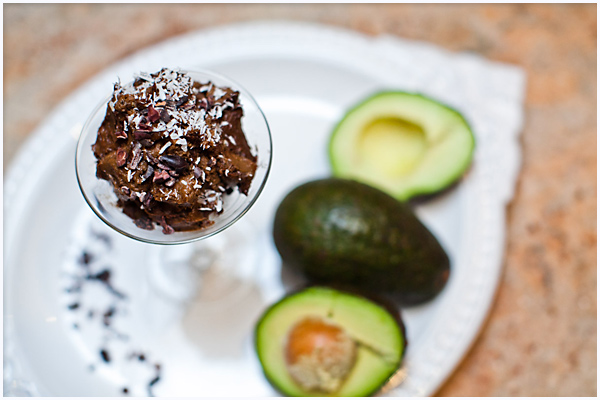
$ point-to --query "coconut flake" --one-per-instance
(165, 147)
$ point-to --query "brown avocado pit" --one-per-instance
(319, 355)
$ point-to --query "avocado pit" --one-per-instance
(319, 355)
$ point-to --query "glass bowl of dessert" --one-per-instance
(174, 156)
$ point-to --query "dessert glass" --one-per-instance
(177, 270)
(100, 196)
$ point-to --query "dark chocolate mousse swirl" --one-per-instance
(172, 148)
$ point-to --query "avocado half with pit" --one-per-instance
(325, 342)
(403, 143)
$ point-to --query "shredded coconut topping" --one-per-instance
(167, 88)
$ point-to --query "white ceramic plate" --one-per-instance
(304, 77)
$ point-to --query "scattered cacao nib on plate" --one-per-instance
(153, 382)
(104, 277)
(107, 316)
(105, 356)
(85, 258)
(90, 267)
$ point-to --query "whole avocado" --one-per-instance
(337, 231)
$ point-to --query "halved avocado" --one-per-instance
(325, 342)
(402, 143)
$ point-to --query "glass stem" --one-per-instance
(176, 271)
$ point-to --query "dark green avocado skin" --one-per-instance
(337, 231)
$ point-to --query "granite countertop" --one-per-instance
(540, 336)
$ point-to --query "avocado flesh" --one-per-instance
(390, 146)
(379, 353)
(342, 232)
(402, 143)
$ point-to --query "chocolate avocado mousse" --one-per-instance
(173, 148)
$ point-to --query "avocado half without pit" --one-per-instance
(402, 143)
(325, 342)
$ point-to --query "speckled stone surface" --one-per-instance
(540, 338)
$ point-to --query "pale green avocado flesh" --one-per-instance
(404, 144)
(378, 335)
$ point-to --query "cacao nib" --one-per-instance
(147, 200)
(108, 314)
(137, 156)
(161, 176)
(174, 161)
(146, 142)
(153, 114)
(152, 383)
(167, 229)
(170, 182)
(151, 159)
(103, 276)
(142, 196)
(140, 134)
(205, 103)
(182, 101)
(149, 172)
(121, 157)
(104, 355)
(163, 166)
(86, 258)
(121, 135)
(165, 116)
(144, 223)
